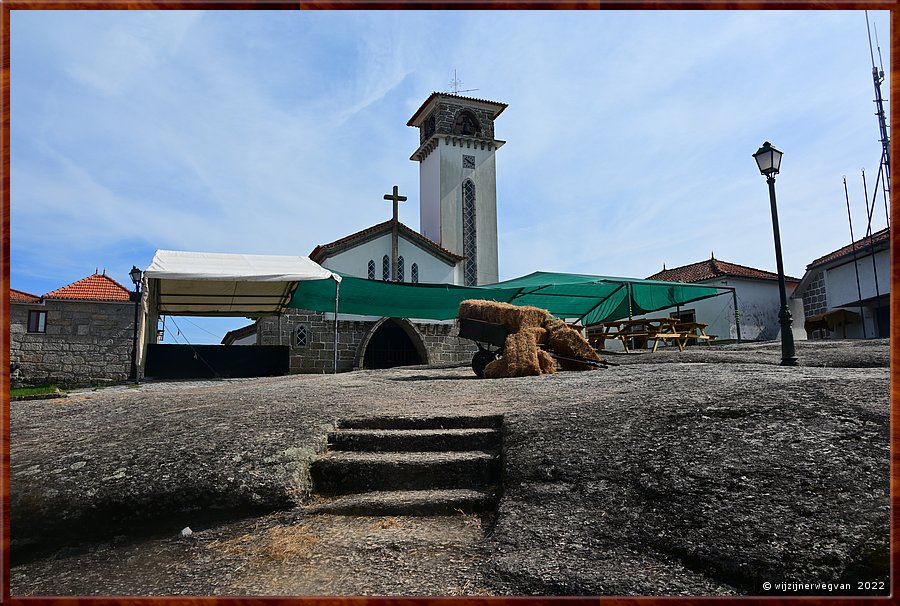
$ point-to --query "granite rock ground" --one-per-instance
(706, 472)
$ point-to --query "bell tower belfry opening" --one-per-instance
(458, 180)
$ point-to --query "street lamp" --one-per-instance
(769, 161)
(135, 274)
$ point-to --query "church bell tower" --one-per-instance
(458, 180)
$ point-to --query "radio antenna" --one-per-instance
(878, 78)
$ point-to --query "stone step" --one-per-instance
(430, 440)
(408, 502)
(344, 472)
(394, 422)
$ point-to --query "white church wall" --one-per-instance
(486, 218)
(355, 261)
(429, 199)
(452, 175)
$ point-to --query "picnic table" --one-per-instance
(638, 332)
(694, 330)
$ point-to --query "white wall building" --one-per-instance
(756, 291)
(846, 293)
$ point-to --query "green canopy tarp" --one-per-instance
(592, 299)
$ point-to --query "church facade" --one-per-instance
(456, 244)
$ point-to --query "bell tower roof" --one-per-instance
(460, 120)
(495, 108)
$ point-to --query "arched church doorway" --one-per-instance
(391, 343)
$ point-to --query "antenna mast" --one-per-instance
(878, 78)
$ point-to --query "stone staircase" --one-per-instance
(410, 466)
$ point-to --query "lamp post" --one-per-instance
(135, 274)
(768, 159)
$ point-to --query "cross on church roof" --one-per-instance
(395, 197)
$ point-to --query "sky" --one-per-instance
(629, 135)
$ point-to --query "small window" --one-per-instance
(301, 336)
(37, 321)
(371, 269)
(400, 268)
(414, 273)
(385, 268)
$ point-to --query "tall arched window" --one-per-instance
(469, 236)
(400, 268)
(414, 273)
(371, 269)
(386, 268)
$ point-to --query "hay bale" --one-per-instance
(547, 363)
(539, 334)
(520, 358)
(521, 354)
(569, 343)
(495, 369)
(513, 317)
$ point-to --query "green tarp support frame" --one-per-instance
(591, 299)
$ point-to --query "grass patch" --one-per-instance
(38, 390)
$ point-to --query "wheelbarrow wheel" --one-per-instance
(481, 359)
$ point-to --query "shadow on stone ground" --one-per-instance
(706, 472)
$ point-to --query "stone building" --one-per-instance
(846, 293)
(79, 334)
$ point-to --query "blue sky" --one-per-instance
(629, 134)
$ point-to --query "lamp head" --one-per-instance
(768, 159)
(135, 274)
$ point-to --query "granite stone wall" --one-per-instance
(815, 302)
(311, 337)
(85, 342)
(445, 115)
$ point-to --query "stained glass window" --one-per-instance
(400, 268)
(414, 273)
(371, 269)
(385, 268)
(469, 233)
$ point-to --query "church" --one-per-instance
(456, 244)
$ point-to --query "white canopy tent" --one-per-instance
(181, 283)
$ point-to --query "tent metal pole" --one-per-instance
(337, 298)
(628, 286)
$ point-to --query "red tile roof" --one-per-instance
(879, 239)
(20, 296)
(98, 287)
(714, 268)
(323, 251)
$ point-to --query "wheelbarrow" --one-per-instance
(490, 339)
